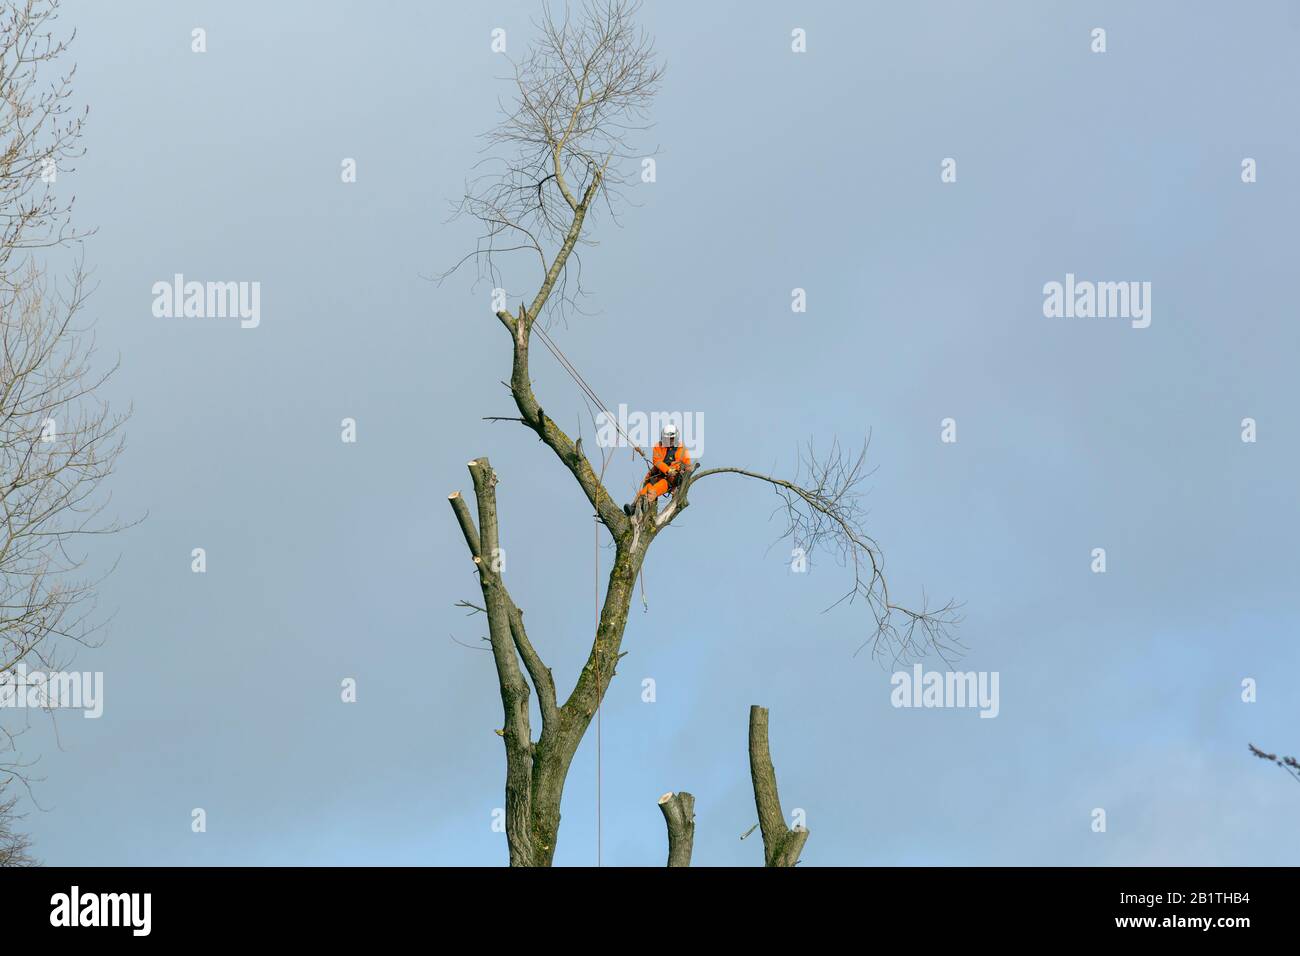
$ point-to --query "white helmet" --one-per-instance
(670, 434)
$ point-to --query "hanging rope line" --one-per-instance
(595, 560)
(587, 389)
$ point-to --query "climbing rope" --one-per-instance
(587, 389)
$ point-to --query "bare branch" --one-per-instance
(569, 453)
(59, 441)
(15, 848)
(823, 510)
(1289, 764)
(581, 97)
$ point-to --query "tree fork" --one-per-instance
(516, 734)
(536, 771)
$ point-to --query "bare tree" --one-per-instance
(558, 157)
(15, 848)
(58, 439)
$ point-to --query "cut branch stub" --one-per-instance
(466, 523)
(679, 814)
(500, 609)
(781, 845)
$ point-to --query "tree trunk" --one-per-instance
(536, 770)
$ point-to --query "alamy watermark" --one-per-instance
(179, 299)
(133, 911)
(53, 690)
(919, 688)
(643, 429)
(1102, 300)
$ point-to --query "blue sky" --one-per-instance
(775, 171)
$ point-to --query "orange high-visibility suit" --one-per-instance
(666, 471)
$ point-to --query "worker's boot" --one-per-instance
(627, 509)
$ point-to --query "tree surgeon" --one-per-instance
(671, 461)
